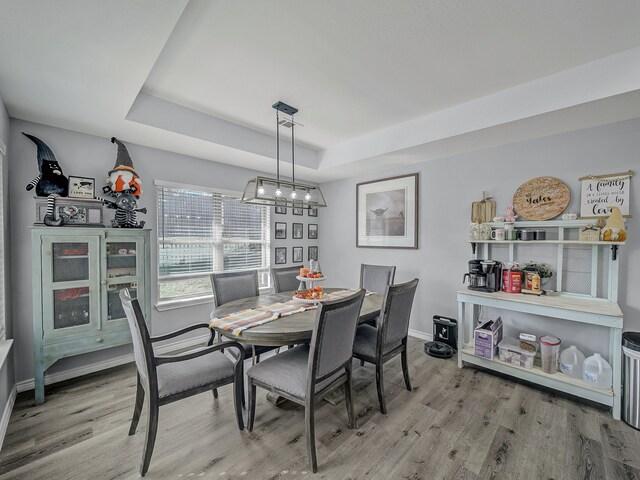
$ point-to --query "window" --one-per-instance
(2, 240)
(203, 231)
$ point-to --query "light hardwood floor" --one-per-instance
(456, 424)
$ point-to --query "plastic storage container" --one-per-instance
(597, 372)
(571, 361)
(549, 352)
(511, 352)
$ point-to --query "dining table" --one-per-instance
(286, 330)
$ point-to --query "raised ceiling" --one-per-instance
(375, 82)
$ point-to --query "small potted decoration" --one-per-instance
(542, 269)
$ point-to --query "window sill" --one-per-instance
(5, 349)
(165, 305)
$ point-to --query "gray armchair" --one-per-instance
(379, 345)
(230, 286)
(307, 373)
(284, 279)
(167, 378)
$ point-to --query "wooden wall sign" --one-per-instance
(541, 198)
(600, 192)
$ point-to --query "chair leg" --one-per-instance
(137, 410)
(215, 393)
(405, 368)
(311, 433)
(252, 404)
(348, 396)
(238, 399)
(362, 363)
(152, 429)
(380, 385)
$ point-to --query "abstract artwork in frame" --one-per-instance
(281, 230)
(313, 253)
(281, 255)
(297, 255)
(312, 231)
(297, 231)
(387, 213)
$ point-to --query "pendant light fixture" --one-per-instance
(276, 191)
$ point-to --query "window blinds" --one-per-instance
(204, 232)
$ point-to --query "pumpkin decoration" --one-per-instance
(613, 230)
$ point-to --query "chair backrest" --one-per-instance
(284, 279)
(333, 336)
(396, 312)
(142, 349)
(375, 278)
(230, 286)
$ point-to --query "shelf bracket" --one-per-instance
(474, 245)
(614, 252)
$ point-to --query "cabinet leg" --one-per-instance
(39, 384)
(615, 358)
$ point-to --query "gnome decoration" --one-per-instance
(51, 180)
(124, 185)
(614, 230)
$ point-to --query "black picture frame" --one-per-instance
(297, 255)
(297, 231)
(313, 212)
(281, 231)
(82, 187)
(312, 231)
(298, 211)
(280, 210)
(280, 255)
(312, 252)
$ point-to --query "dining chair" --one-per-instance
(284, 279)
(379, 345)
(375, 278)
(163, 379)
(230, 286)
(306, 373)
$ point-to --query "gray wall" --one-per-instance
(85, 155)
(447, 188)
(6, 370)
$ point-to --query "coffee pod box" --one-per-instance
(486, 338)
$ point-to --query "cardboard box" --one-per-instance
(486, 338)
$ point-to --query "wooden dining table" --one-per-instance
(287, 330)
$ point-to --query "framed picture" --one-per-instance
(281, 230)
(82, 187)
(387, 212)
(280, 210)
(297, 255)
(298, 211)
(598, 193)
(313, 212)
(297, 230)
(281, 255)
(312, 231)
(313, 253)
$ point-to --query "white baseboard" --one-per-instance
(29, 384)
(6, 415)
(421, 335)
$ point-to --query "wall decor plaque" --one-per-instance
(541, 198)
(598, 193)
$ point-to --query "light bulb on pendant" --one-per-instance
(294, 194)
(278, 192)
(261, 190)
(307, 196)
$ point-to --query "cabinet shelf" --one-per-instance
(552, 242)
(70, 257)
(557, 381)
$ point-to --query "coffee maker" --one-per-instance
(484, 275)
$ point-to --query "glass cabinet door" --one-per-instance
(122, 268)
(71, 269)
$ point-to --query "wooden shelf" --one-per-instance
(594, 311)
(552, 242)
(557, 381)
(546, 224)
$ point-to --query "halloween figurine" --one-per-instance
(124, 185)
(51, 180)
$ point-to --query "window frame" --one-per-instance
(3, 249)
(170, 303)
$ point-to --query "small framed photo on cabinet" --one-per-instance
(82, 187)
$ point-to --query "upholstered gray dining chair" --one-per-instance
(230, 286)
(284, 279)
(308, 372)
(379, 345)
(165, 379)
(375, 278)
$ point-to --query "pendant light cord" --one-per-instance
(293, 161)
(278, 146)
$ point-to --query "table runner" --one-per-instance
(237, 322)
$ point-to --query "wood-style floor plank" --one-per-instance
(454, 425)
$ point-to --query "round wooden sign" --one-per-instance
(541, 198)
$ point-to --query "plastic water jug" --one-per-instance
(597, 372)
(571, 361)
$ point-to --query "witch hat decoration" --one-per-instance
(44, 152)
(51, 180)
(123, 159)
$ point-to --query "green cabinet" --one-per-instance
(77, 276)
